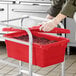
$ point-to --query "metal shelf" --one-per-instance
(28, 11)
(7, 1)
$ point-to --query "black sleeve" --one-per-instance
(69, 8)
(56, 7)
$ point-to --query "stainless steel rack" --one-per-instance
(21, 69)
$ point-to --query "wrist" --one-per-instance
(53, 23)
(56, 21)
(58, 18)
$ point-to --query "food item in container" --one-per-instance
(39, 40)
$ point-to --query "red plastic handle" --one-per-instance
(55, 30)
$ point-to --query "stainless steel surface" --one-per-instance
(63, 68)
(23, 7)
(8, 20)
(3, 16)
(68, 50)
(7, 1)
(3, 12)
(29, 7)
(74, 17)
(70, 24)
(19, 10)
(28, 11)
(46, 1)
(36, 3)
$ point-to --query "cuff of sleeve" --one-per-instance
(53, 11)
(68, 10)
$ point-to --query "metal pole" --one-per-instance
(30, 52)
(20, 62)
(20, 65)
(63, 68)
(68, 50)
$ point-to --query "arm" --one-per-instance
(58, 18)
(67, 11)
(56, 7)
(48, 26)
(69, 8)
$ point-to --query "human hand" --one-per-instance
(48, 26)
(51, 24)
(47, 17)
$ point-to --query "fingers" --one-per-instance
(41, 28)
(43, 25)
(47, 26)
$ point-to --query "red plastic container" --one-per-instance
(43, 55)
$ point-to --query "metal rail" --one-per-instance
(26, 16)
(36, 4)
(7, 1)
(43, 2)
(28, 11)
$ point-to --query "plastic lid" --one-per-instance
(36, 28)
(55, 30)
